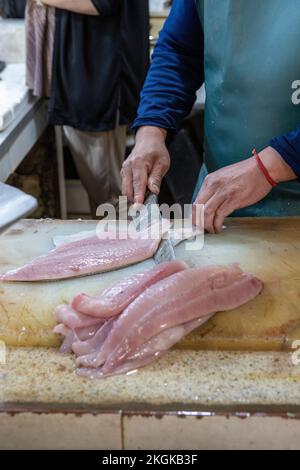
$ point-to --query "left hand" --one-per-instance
(237, 186)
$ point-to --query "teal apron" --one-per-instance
(251, 59)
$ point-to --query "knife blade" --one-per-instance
(165, 251)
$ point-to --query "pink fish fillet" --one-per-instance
(93, 330)
(69, 317)
(124, 323)
(82, 257)
(116, 298)
(74, 336)
(180, 298)
(87, 347)
(69, 337)
(149, 352)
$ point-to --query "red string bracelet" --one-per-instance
(263, 169)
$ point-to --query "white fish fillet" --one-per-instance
(149, 352)
(116, 298)
(160, 316)
(182, 297)
(89, 256)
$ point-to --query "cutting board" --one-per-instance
(269, 248)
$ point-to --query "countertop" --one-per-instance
(186, 380)
(40, 379)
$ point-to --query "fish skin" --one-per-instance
(116, 298)
(179, 298)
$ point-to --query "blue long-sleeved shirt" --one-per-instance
(177, 71)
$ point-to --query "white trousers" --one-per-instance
(98, 157)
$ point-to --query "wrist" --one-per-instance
(152, 132)
(276, 166)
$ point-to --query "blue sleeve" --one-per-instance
(288, 146)
(176, 71)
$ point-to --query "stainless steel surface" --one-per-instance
(14, 204)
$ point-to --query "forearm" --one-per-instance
(84, 7)
(176, 71)
(277, 168)
(149, 132)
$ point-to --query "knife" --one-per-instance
(165, 251)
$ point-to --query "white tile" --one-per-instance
(60, 431)
(211, 432)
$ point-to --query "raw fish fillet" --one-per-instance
(158, 317)
(69, 337)
(84, 347)
(149, 352)
(177, 299)
(77, 328)
(69, 317)
(84, 332)
(74, 335)
(115, 299)
(82, 257)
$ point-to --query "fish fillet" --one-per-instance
(74, 335)
(69, 317)
(160, 316)
(149, 352)
(115, 299)
(73, 324)
(89, 345)
(112, 301)
(83, 257)
(133, 314)
(180, 298)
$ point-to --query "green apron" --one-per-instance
(251, 59)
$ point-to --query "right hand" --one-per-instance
(147, 164)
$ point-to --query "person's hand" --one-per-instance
(147, 164)
(237, 186)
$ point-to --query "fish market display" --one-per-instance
(136, 328)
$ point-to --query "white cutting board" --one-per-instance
(26, 309)
(269, 248)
